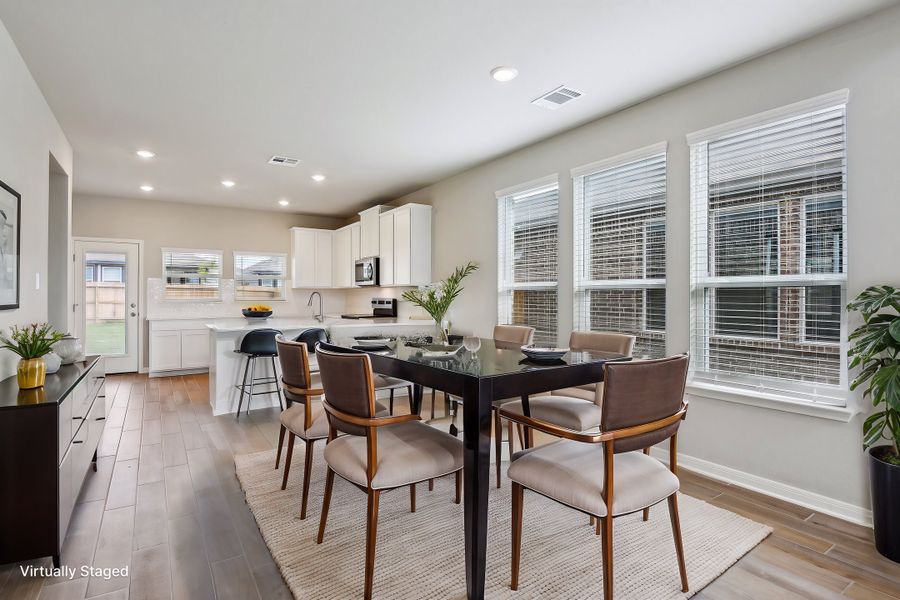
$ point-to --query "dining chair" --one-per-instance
(376, 454)
(575, 408)
(607, 474)
(304, 416)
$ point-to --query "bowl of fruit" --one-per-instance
(257, 311)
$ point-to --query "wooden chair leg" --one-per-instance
(412, 498)
(517, 497)
(676, 532)
(647, 510)
(371, 536)
(458, 487)
(431, 485)
(498, 442)
(307, 473)
(605, 524)
(280, 444)
(592, 520)
(509, 435)
(521, 436)
(287, 460)
(326, 502)
(391, 408)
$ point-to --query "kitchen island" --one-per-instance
(226, 364)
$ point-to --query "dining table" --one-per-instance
(480, 372)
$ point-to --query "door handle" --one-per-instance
(133, 305)
(133, 314)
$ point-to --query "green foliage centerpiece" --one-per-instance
(435, 299)
(31, 343)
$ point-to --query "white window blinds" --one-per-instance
(259, 276)
(768, 273)
(192, 274)
(528, 222)
(620, 248)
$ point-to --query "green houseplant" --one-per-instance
(31, 343)
(875, 351)
(436, 299)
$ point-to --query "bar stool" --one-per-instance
(258, 343)
(311, 337)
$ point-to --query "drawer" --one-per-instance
(64, 428)
(79, 400)
(81, 456)
(96, 421)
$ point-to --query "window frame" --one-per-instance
(832, 398)
(220, 276)
(283, 278)
(505, 284)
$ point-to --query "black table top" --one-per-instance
(492, 359)
(56, 387)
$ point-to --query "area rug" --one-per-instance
(420, 555)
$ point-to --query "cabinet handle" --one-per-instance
(76, 418)
(101, 418)
(78, 441)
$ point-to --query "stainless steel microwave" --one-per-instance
(365, 271)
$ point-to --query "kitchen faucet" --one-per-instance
(320, 316)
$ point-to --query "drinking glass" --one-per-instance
(471, 343)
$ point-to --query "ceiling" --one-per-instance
(381, 97)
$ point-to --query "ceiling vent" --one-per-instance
(556, 98)
(284, 161)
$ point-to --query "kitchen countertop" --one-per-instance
(241, 324)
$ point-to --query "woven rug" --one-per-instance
(420, 555)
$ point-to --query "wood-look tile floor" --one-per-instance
(165, 502)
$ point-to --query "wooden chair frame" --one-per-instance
(371, 426)
(604, 524)
(307, 394)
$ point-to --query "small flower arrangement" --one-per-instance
(436, 298)
(32, 341)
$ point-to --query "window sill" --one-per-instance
(771, 401)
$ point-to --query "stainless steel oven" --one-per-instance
(365, 271)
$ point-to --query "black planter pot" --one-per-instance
(885, 481)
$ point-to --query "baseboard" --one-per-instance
(176, 373)
(818, 502)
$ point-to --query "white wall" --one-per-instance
(29, 134)
(822, 459)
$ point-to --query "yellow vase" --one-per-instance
(31, 373)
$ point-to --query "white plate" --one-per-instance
(373, 342)
(540, 353)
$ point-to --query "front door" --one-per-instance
(107, 301)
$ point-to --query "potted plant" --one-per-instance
(875, 351)
(436, 298)
(31, 343)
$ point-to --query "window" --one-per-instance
(528, 222)
(89, 272)
(259, 276)
(192, 274)
(620, 247)
(111, 274)
(768, 272)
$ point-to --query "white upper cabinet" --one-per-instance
(342, 256)
(405, 241)
(355, 249)
(369, 232)
(386, 244)
(311, 258)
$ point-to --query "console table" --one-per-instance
(48, 441)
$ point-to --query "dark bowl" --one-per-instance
(256, 314)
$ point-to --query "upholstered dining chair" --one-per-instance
(304, 416)
(376, 454)
(575, 408)
(606, 474)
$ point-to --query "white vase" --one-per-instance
(69, 349)
(53, 362)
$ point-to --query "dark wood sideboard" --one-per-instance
(48, 442)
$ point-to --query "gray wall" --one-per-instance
(787, 451)
(29, 134)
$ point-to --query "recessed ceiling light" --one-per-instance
(228, 183)
(504, 74)
(283, 202)
(145, 153)
(318, 177)
(146, 188)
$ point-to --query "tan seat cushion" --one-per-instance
(407, 453)
(293, 419)
(572, 473)
(566, 411)
(383, 382)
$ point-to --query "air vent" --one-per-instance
(284, 161)
(556, 98)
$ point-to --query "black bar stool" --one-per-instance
(258, 343)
